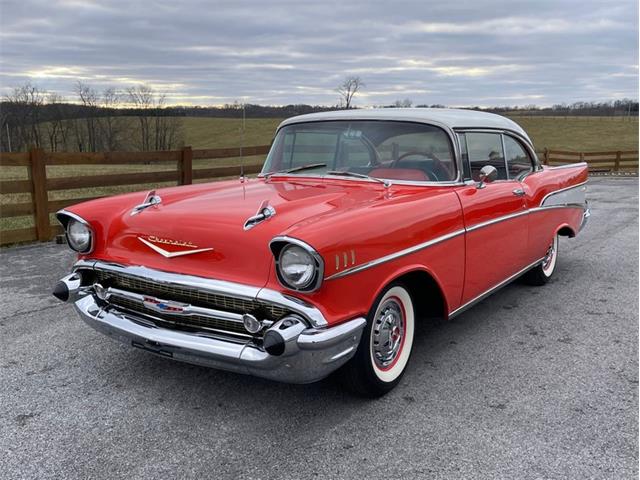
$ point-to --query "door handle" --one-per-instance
(518, 192)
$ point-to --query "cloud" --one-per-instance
(195, 51)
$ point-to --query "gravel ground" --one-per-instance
(531, 383)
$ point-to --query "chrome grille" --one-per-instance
(183, 294)
(189, 295)
(191, 321)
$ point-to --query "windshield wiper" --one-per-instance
(386, 183)
(298, 169)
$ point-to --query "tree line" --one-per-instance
(139, 118)
(94, 122)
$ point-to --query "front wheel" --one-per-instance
(541, 274)
(385, 345)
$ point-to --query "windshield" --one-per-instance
(379, 149)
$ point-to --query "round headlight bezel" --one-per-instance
(282, 245)
(70, 220)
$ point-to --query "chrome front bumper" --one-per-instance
(310, 356)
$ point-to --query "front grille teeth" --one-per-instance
(190, 296)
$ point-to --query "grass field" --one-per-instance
(564, 133)
(581, 134)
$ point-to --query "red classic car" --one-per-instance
(361, 223)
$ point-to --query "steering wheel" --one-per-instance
(438, 163)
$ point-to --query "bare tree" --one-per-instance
(56, 127)
(158, 131)
(90, 99)
(141, 97)
(348, 89)
(406, 103)
(110, 124)
(22, 117)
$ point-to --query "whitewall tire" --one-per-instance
(385, 346)
(540, 274)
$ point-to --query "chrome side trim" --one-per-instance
(566, 195)
(472, 228)
(552, 207)
(395, 255)
(568, 165)
(496, 220)
(487, 293)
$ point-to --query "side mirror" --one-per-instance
(488, 174)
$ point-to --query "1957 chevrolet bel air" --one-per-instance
(361, 223)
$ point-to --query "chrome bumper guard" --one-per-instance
(310, 356)
(585, 217)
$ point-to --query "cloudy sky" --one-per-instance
(480, 52)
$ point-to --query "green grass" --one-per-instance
(581, 134)
(227, 132)
(561, 133)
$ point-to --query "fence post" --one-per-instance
(39, 196)
(185, 167)
(545, 160)
(582, 156)
(616, 168)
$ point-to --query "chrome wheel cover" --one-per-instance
(388, 333)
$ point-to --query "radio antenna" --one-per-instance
(242, 143)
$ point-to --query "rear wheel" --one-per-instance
(541, 274)
(385, 345)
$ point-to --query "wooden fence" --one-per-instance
(39, 184)
(619, 162)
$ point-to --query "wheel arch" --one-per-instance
(424, 288)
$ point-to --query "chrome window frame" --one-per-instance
(533, 159)
(525, 143)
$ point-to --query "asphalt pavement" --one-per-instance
(534, 382)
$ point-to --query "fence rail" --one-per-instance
(618, 162)
(39, 184)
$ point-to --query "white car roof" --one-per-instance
(449, 117)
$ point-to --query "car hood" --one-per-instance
(207, 220)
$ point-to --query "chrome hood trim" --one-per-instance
(265, 212)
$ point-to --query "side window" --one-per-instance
(485, 149)
(518, 160)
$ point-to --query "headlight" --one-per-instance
(79, 236)
(299, 267)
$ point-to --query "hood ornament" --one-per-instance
(265, 212)
(152, 242)
(150, 200)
